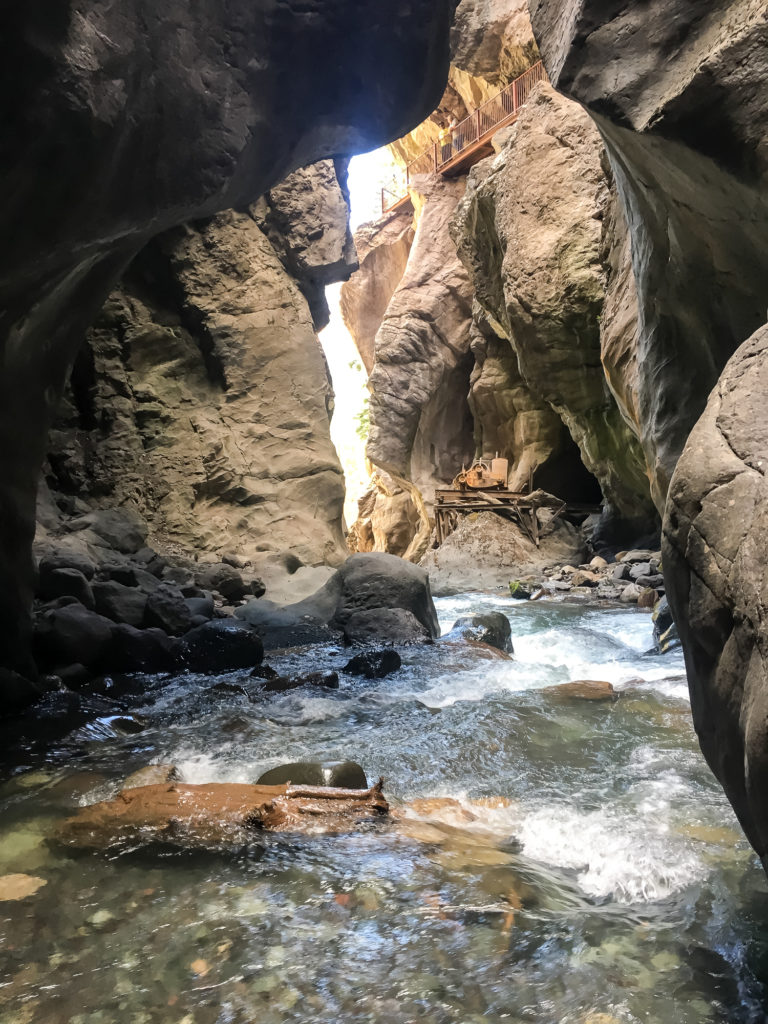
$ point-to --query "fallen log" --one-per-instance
(217, 814)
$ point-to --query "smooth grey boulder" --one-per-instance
(221, 645)
(372, 598)
(715, 542)
(338, 774)
(490, 628)
(119, 528)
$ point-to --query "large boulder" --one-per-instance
(221, 645)
(372, 598)
(714, 544)
(490, 628)
(120, 603)
(337, 774)
(72, 634)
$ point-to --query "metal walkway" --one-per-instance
(470, 139)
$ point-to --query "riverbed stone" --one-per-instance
(631, 594)
(119, 602)
(167, 609)
(490, 628)
(141, 650)
(72, 634)
(221, 645)
(583, 689)
(374, 664)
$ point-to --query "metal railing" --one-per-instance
(473, 131)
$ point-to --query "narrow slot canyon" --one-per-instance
(383, 438)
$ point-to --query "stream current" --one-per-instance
(564, 861)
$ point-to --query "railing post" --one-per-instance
(515, 104)
(477, 118)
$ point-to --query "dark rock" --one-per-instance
(200, 606)
(522, 591)
(119, 602)
(256, 587)
(66, 583)
(61, 558)
(385, 625)
(223, 578)
(653, 581)
(141, 650)
(264, 672)
(119, 528)
(490, 628)
(280, 684)
(74, 676)
(221, 645)
(167, 609)
(374, 581)
(73, 634)
(178, 575)
(374, 664)
(120, 572)
(17, 692)
(620, 572)
(337, 774)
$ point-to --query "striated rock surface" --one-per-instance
(715, 539)
(121, 124)
(532, 243)
(677, 91)
(421, 428)
(202, 397)
(493, 39)
(382, 248)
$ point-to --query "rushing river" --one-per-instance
(587, 870)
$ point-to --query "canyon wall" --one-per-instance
(122, 122)
(201, 398)
(678, 94)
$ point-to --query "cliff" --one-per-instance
(201, 398)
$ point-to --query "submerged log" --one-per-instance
(217, 814)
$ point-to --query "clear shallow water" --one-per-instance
(611, 878)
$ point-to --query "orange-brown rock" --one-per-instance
(583, 689)
(217, 814)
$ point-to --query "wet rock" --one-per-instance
(385, 625)
(74, 676)
(18, 887)
(665, 634)
(167, 609)
(374, 664)
(491, 628)
(141, 650)
(19, 692)
(151, 775)
(280, 684)
(522, 591)
(119, 602)
(375, 581)
(264, 672)
(220, 646)
(336, 774)
(64, 636)
(583, 689)
(217, 814)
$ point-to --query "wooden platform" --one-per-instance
(515, 506)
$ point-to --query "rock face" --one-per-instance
(532, 244)
(211, 102)
(421, 428)
(382, 251)
(677, 93)
(715, 538)
(202, 397)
